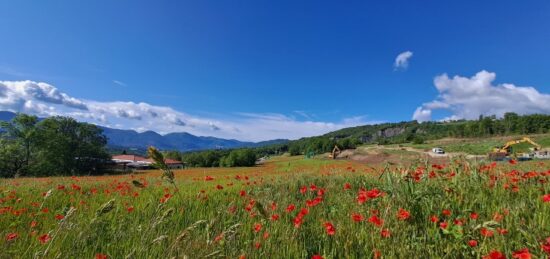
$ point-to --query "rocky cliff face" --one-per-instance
(390, 132)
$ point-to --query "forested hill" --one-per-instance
(412, 131)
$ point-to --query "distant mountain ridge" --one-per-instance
(181, 141)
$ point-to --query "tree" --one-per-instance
(69, 147)
(22, 130)
(12, 158)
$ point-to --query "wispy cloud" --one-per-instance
(467, 98)
(120, 83)
(12, 72)
(43, 99)
(402, 60)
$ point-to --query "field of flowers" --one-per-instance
(286, 208)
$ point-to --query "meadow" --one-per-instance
(289, 207)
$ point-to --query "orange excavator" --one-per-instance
(335, 152)
(500, 153)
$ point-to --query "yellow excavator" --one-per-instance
(335, 152)
(501, 153)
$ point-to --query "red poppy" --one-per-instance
(347, 186)
(130, 209)
(447, 213)
(290, 208)
(357, 217)
(546, 246)
(472, 243)
(376, 220)
(546, 198)
(275, 217)
(11, 236)
(59, 217)
(218, 237)
(434, 219)
(257, 245)
(242, 193)
(443, 225)
(219, 187)
(403, 214)
(44, 238)
(34, 224)
(512, 161)
(208, 178)
(101, 256)
(502, 231)
(495, 255)
(257, 227)
(385, 233)
(317, 257)
(303, 189)
(473, 216)
(486, 232)
(330, 228)
(522, 254)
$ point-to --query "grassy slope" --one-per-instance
(481, 146)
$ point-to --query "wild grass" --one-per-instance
(110, 216)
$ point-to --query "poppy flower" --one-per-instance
(472, 243)
(443, 225)
(495, 255)
(447, 213)
(11, 236)
(385, 233)
(546, 198)
(257, 227)
(486, 232)
(275, 217)
(59, 217)
(34, 224)
(208, 178)
(303, 189)
(546, 246)
(522, 254)
(502, 231)
(290, 208)
(100, 256)
(347, 186)
(403, 214)
(474, 216)
(317, 257)
(257, 245)
(330, 228)
(434, 219)
(44, 238)
(242, 193)
(376, 220)
(357, 217)
(219, 187)
(218, 237)
(130, 209)
(512, 161)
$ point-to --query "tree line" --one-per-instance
(52, 146)
(216, 158)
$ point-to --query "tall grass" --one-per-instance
(118, 219)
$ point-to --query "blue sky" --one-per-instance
(256, 70)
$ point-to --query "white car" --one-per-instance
(438, 150)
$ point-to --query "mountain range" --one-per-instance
(181, 141)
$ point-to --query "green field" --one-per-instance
(242, 212)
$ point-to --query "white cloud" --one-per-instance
(467, 98)
(402, 60)
(46, 100)
(120, 83)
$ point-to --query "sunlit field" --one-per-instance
(285, 208)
